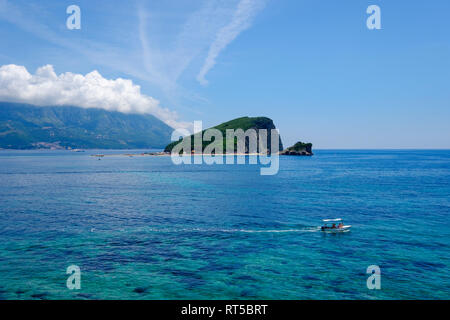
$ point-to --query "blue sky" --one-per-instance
(312, 66)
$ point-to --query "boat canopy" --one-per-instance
(332, 220)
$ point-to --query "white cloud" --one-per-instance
(240, 21)
(147, 64)
(46, 88)
(159, 60)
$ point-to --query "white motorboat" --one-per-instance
(334, 226)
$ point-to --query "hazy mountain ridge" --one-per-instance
(24, 126)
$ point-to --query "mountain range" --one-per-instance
(24, 126)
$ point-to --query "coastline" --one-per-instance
(167, 154)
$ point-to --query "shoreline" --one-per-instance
(166, 154)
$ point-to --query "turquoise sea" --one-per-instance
(143, 228)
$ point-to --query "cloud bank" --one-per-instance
(46, 88)
(240, 21)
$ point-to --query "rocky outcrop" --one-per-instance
(298, 149)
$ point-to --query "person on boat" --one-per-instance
(333, 226)
(340, 225)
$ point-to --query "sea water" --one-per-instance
(143, 228)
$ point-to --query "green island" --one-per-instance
(243, 123)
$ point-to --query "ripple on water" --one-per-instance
(244, 235)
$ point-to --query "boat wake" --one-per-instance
(219, 230)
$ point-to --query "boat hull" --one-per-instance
(336, 230)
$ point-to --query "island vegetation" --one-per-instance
(243, 123)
